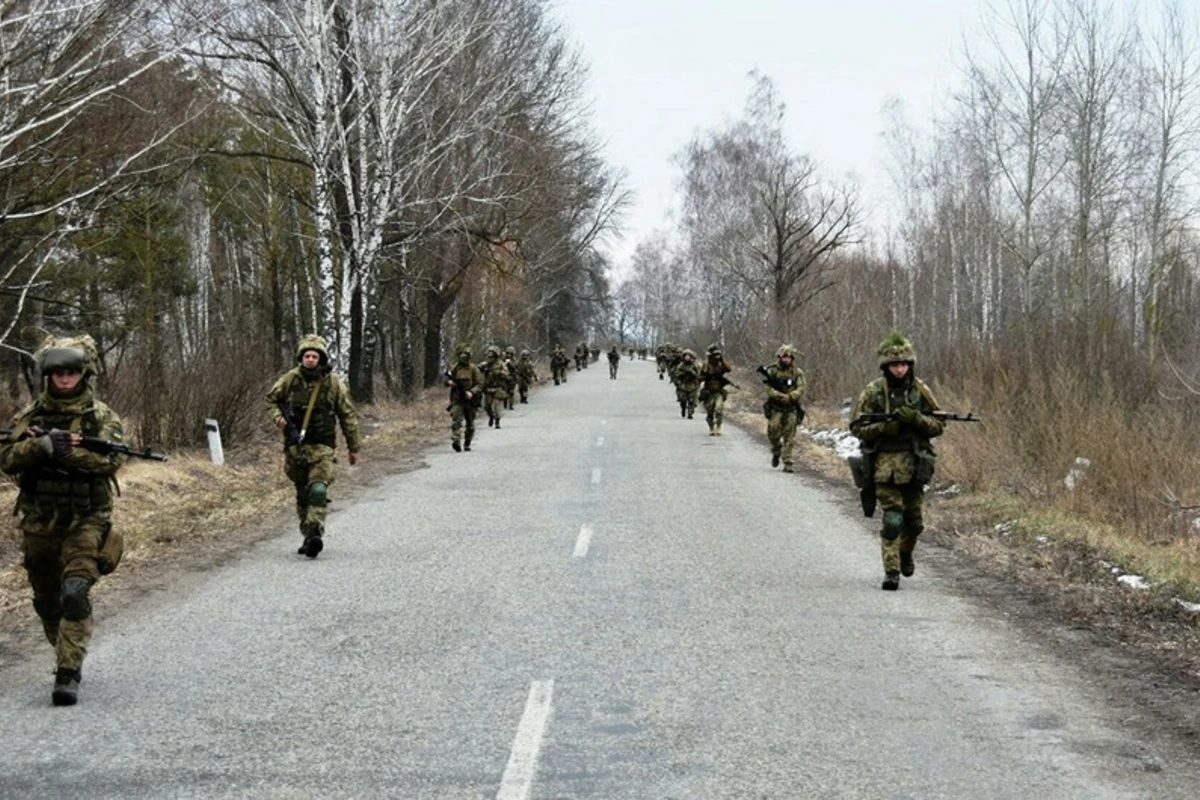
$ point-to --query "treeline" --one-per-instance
(198, 183)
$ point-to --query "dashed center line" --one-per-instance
(595, 475)
(522, 761)
(581, 544)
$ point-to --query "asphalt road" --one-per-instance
(599, 601)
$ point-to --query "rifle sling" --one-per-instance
(312, 402)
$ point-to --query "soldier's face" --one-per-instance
(65, 381)
(464, 358)
(898, 369)
(786, 360)
(310, 359)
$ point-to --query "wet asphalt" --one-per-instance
(599, 601)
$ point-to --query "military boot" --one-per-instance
(891, 582)
(467, 443)
(66, 687)
(907, 567)
(683, 410)
(456, 445)
(313, 544)
(787, 467)
(774, 459)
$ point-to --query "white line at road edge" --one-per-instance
(522, 762)
(595, 476)
(581, 544)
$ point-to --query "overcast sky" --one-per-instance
(663, 70)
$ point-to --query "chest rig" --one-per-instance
(59, 493)
(321, 425)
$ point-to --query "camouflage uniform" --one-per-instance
(782, 408)
(614, 361)
(64, 509)
(581, 357)
(712, 388)
(660, 360)
(311, 465)
(495, 386)
(466, 391)
(901, 452)
(526, 375)
(559, 361)
(686, 377)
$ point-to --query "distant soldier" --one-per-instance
(559, 361)
(712, 388)
(495, 386)
(898, 452)
(64, 509)
(581, 357)
(686, 377)
(466, 392)
(526, 375)
(595, 353)
(660, 360)
(308, 403)
(785, 390)
(510, 363)
(614, 361)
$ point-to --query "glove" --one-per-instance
(57, 443)
(909, 415)
(891, 428)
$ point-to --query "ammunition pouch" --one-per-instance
(112, 547)
(65, 494)
(862, 468)
(926, 462)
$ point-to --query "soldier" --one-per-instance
(686, 377)
(64, 508)
(785, 389)
(898, 453)
(308, 403)
(510, 364)
(466, 390)
(495, 386)
(526, 375)
(712, 388)
(595, 353)
(581, 354)
(660, 360)
(614, 361)
(559, 361)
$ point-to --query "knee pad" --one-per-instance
(893, 524)
(75, 602)
(318, 494)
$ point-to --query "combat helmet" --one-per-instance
(510, 352)
(67, 352)
(786, 350)
(713, 349)
(492, 351)
(525, 353)
(688, 352)
(896, 349)
(313, 342)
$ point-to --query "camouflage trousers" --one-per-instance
(560, 374)
(314, 463)
(50, 557)
(493, 403)
(903, 507)
(714, 408)
(462, 414)
(781, 430)
(612, 370)
(687, 399)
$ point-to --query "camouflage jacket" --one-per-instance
(464, 378)
(686, 376)
(332, 407)
(495, 377)
(896, 446)
(59, 491)
(711, 374)
(791, 399)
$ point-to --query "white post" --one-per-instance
(215, 451)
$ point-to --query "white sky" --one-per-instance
(664, 70)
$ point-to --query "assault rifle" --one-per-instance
(293, 433)
(720, 378)
(106, 447)
(779, 384)
(457, 389)
(944, 416)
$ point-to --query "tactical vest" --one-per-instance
(910, 441)
(62, 493)
(322, 425)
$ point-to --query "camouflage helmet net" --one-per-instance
(896, 349)
(687, 353)
(510, 351)
(524, 353)
(67, 352)
(312, 341)
(492, 351)
(786, 350)
(463, 348)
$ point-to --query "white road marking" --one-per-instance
(595, 476)
(581, 544)
(600, 441)
(522, 761)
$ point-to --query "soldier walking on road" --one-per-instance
(785, 390)
(614, 361)
(510, 364)
(559, 361)
(495, 386)
(308, 403)
(64, 509)
(898, 454)
(526, 375)
(686, 377)
(712, 388)
(466, 391)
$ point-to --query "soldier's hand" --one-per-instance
(353, 459)
(908, 414)
(468, 395)
(280, 423)
(891, 428)
(59, 443)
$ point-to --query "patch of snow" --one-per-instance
(953, 490)
(1004, 529)
(1192, 607)
(1134, 581)
(1043, 540)
(1076, 473)
(843, 443)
